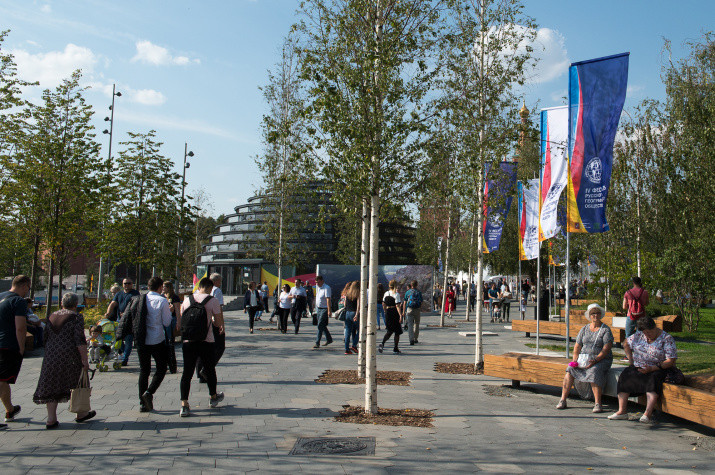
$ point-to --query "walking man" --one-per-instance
(264, 295)
(219, 333)
(323, 310)
(13, 328)
(251, 303)
(116, 310)
(145, 320)
(635, 301)
(413, 297)
(300, 298)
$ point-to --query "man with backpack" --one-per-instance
(198, 313)
(145, 319)
(635, 301)
(413, 299)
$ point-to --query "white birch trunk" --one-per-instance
(371, 343)
(363, 286)
(469, 269)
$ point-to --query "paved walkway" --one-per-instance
(271, 401)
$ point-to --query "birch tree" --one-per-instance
(487, 56)
(365, 61)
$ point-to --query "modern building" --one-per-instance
(237, 249)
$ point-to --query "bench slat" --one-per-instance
(559, 328)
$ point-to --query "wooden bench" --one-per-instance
(576, 302)
(694, 403)
(29, 341)
(559, 328)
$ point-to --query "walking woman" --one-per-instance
(65, 360)
(393, 320)
(200, 348)
(352, 315)
(252, 303)
(449, 301)
(175, 304)
(300, 302)
(284, 305)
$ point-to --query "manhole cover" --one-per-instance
(334, 446)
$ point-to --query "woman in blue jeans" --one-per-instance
(380, 309)
(352, 321)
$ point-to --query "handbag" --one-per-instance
(674, 376)
(315, 318)
(584, 358)
(79, 396)
(340, 314)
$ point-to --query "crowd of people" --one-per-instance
(150, 322)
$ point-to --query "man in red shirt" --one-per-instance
(635, 300)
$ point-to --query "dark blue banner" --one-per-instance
(498, 193)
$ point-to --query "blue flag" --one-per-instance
(499, 188)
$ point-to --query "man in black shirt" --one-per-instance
(116, 309)
(13, 328)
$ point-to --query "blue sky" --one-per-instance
(191, 70)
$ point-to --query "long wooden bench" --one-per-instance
(559, 328)
(694, 403)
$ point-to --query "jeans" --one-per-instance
(193, 350)
(265, 304)
(219, 347)
(296, 312)
(127, 347)
(380, 313)
(169, 334)
(630, 326)
(160, 353)
(252, 315)
(413, 323)
(350, 330)
(322, 314)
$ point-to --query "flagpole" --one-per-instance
(568, 285)
(519, 289)
(538, 296)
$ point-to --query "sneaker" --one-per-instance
(597, 408)
(618, 417)
(216, 400)
(348, 352)
(562, 404)
(184, 411)
(396, 352)
(380, 347)
(412, 342)
(647, 420)
(317, 345)
(355, 350)
(3, 426)
(328, 342)
(416, 342)
(124, 363)
(148, 400)
(10, 416)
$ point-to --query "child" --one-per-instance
(95, 335)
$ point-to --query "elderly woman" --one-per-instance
(65, 359)
(592, 358)
(650, 352)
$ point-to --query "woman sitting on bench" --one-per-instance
(592, 358)
(651, 353)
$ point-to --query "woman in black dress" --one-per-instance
(393, 323)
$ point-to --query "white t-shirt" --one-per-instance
(296, 291)
(395, 294)
(285, 302)
(158, 316)
(217, 294)
(322, 294)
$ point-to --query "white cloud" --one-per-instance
(560, 96)
(148, 52)
(51, 68)
(188, 125)
(633, 89)
(148, 97)
(47, 8)
(550, 49)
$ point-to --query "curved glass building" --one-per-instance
(238, 248)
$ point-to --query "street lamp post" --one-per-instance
(109, 119)
(187, 154)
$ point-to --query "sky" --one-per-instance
(192, 70)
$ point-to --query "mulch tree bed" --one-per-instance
(350, 376)
(456, 368)
(386, 417)
(442, 326)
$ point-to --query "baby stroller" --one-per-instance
(109, 346)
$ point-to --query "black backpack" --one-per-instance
(194, 320)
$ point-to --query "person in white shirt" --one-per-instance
(300, 300)
(284, 305)
(322, 310)
(252, 304)
(158, 316)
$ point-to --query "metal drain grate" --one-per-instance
(334, 446)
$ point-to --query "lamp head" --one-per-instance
(118, 94)
(190, 154)
(105, 131)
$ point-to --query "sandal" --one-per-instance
(89, 415)
(54, 425)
